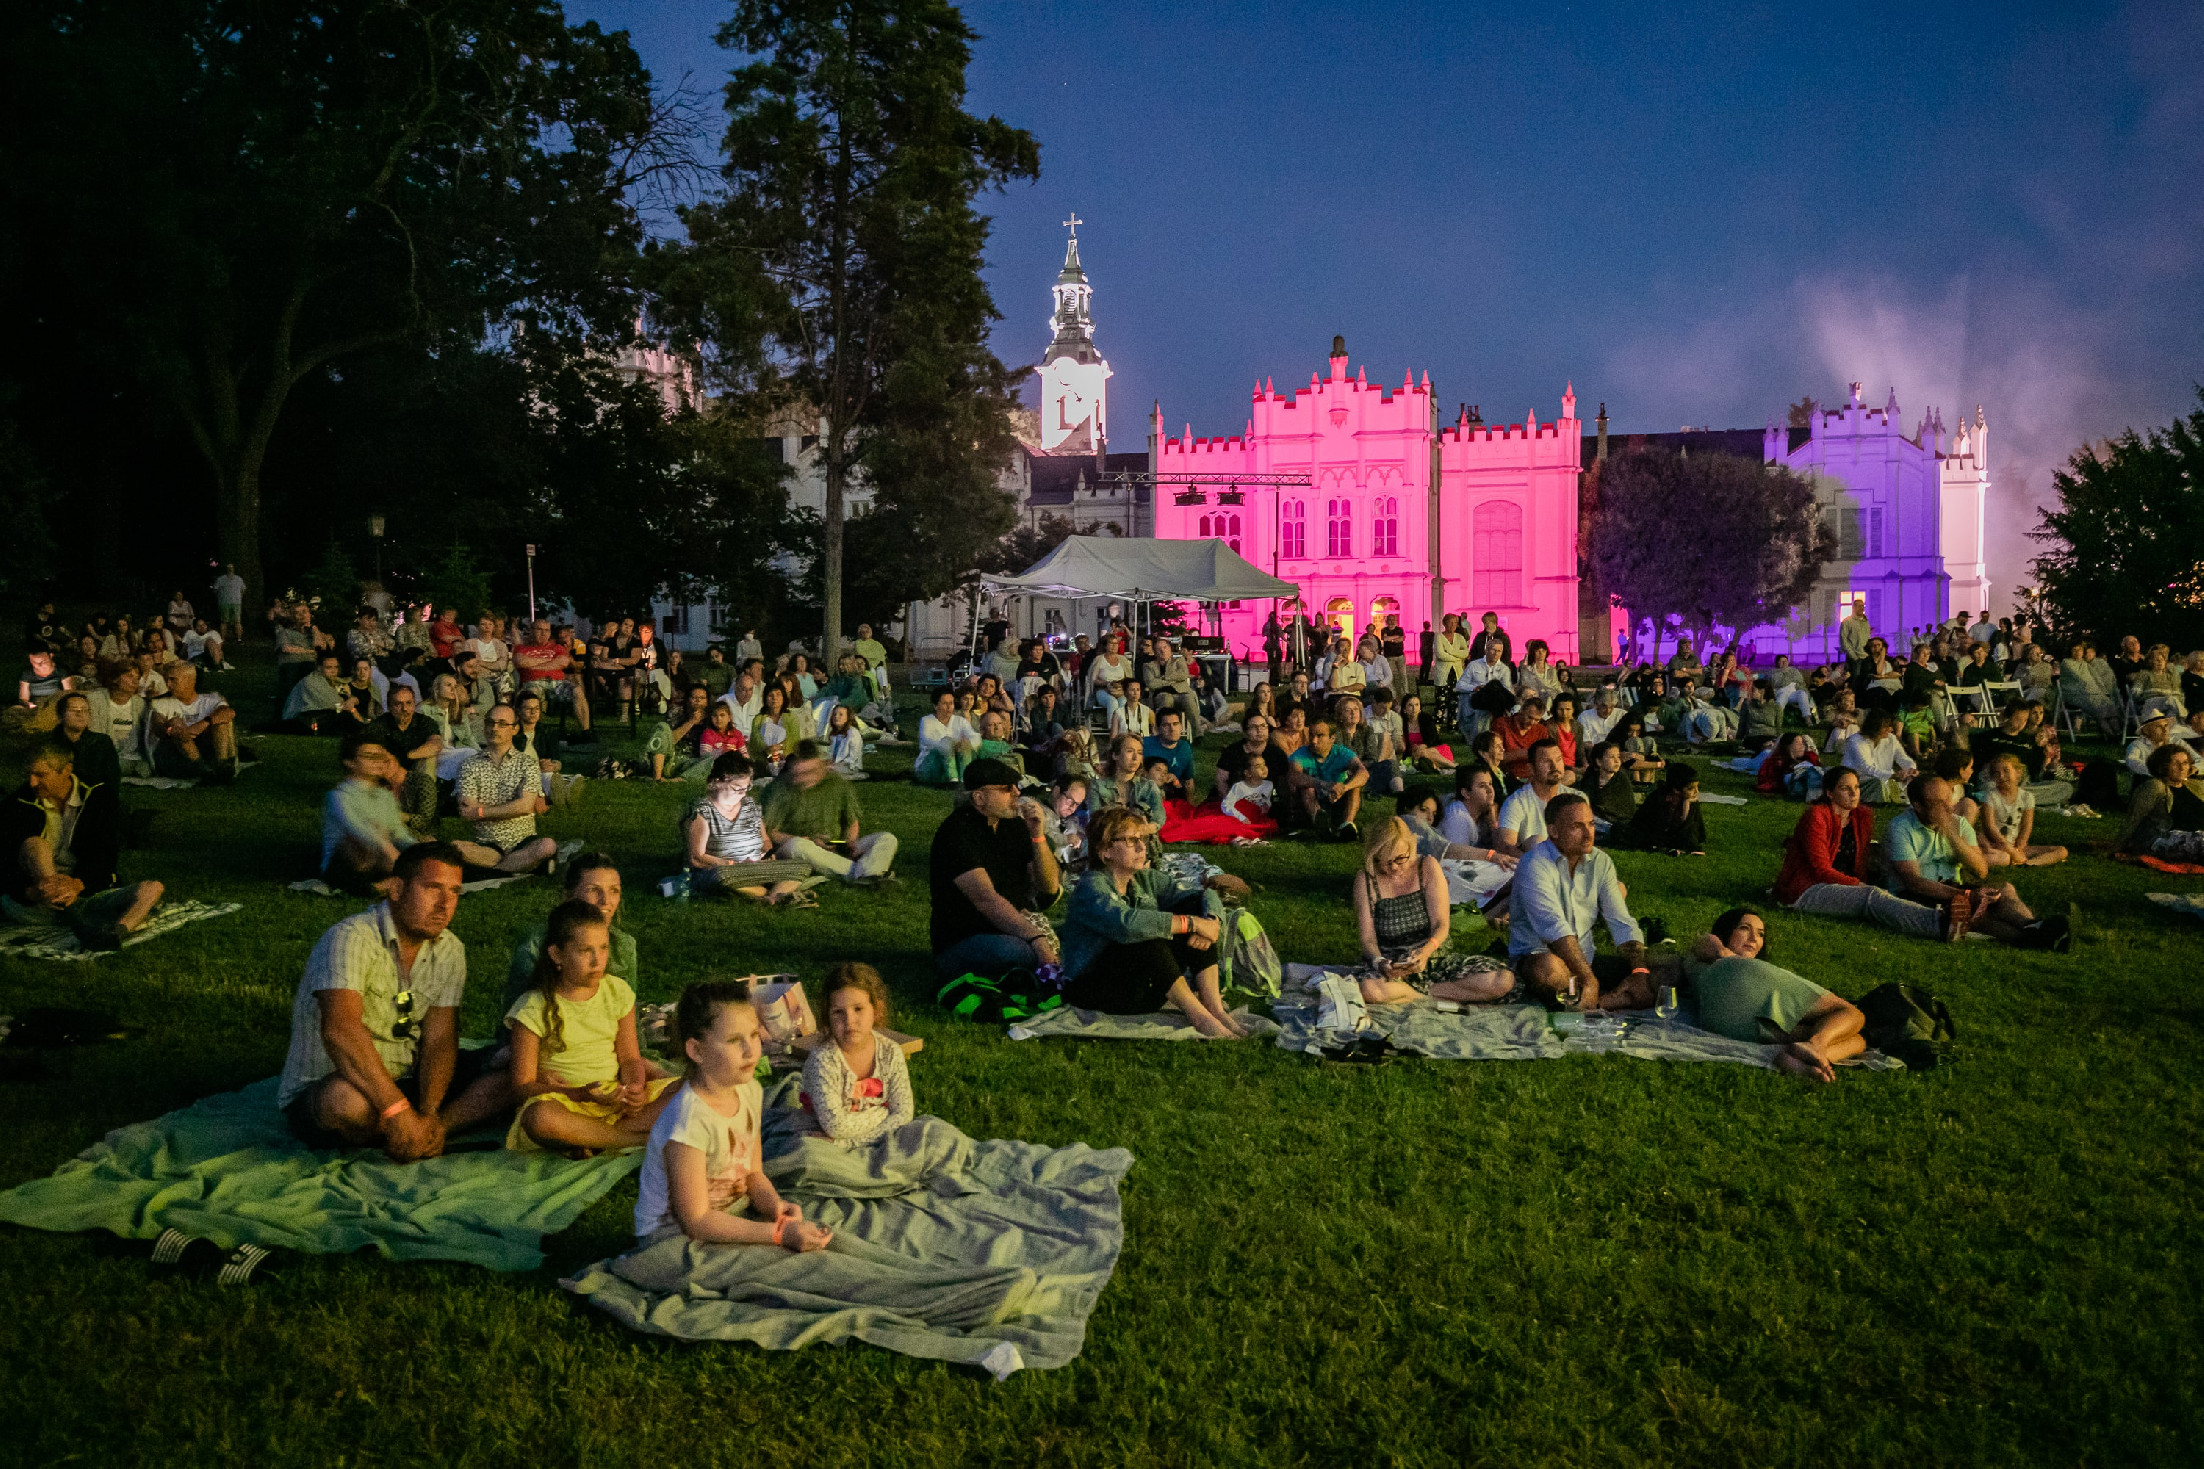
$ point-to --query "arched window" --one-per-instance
(1295, 528)
(1339, 528)
(1385, 528)
(1228, 527)
(1496, 555)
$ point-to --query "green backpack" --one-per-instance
(1910, 1024)
(1246, 962)
(975, 997)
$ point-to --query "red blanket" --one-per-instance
(1208, 823)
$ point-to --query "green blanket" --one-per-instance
(987, 1253)
(227, 1168)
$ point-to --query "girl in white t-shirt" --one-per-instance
(1249, 798)
(577, 1067)
(704, 1153)
(856, 1083)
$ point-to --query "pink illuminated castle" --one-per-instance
(1338, 501)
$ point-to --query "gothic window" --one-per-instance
(1228, 527)
(1205, 527)
(1385, 530)
(1875, 546)
(1339, 528)
(1295, 531)
(1496, 554)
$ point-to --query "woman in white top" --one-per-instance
(1537, 675)
(2006, 818)
(946, 744)
(1880, 761)
(488, 644)
(1472, 818)
(1106, 676)
(1131, 716)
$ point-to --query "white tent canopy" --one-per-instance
(1145, 571)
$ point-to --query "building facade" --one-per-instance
(1907, 512)
(1352, 522)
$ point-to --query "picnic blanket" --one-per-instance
(2189, 903)
(1716, 798)
(1093, 1025)
(1183, 822)
(986, 1253)
(1471, 883)
(52, 941)
(1526, 1033)
(228, 1169)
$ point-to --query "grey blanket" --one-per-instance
(1525, 1033)
(987, 1253)
(1093, 1025)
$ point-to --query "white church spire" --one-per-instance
(1074, 378)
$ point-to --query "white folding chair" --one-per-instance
(2062, 717)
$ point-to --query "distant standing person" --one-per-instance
(229, 603)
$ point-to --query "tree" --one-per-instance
(2122, 552)
(237, 197)
(1711, 539)
(848, 236)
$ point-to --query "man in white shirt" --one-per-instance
(2156, 729)
(229, 602)
(1522, 818)
(195, 733)
(1599, 721)
(747, 694)
(1564, 887)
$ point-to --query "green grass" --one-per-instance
(1593, 1260)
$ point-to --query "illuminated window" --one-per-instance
(1385, 529)
(1497, 554)
(1295, 537)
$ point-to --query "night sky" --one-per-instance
(1700, 214)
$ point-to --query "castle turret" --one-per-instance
(1074, 378)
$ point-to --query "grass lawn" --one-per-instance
(1592, 1260)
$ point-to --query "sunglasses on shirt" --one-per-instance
(407, 1026)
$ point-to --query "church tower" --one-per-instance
(1074, 378)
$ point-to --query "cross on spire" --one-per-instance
(1073, 224)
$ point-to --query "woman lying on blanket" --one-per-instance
(1404, 916)
(1126, 952)
(577, 1067)
(857, 1085)
(703, 1153)
(1744, 997)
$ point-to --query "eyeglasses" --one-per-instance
(407, 1026)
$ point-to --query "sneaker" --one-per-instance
(1348, 832)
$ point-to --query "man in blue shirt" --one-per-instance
(1176, 753)
(1564, 886)
(1932, 858)
(1332, 798)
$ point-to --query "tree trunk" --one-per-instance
(830, 552)
(237, 526)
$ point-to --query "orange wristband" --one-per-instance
(401, 1105)
(780, 1227)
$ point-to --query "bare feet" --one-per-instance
(1801, 1060)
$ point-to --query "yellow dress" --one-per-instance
(589, 1030)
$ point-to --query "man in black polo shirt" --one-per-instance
(416, 743)
(991, 865)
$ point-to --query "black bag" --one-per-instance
(1494, 697)
(1909, 1023)
(2099, 786)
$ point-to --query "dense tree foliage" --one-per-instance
(2122, 542)
(1708, 539)
(215, 201)
(847, 241)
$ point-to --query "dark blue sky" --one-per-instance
(1698, 213)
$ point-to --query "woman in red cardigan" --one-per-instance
(1825, 867)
